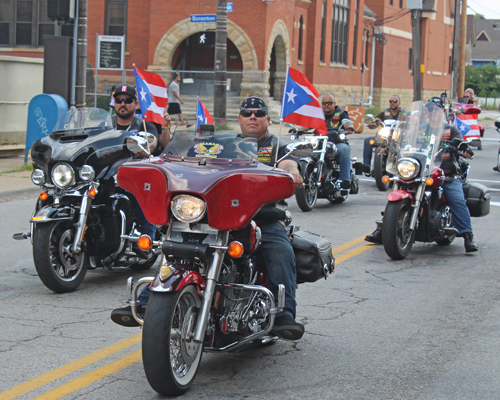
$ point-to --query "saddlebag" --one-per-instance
(313, 254)
(478, 199)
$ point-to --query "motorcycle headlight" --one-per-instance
(188, 208)
(314, 141)
(38, 177)
(87, 173)
(384, 132)
(408, 168)
(342, 136)
(63, 175)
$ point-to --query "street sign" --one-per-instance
(110, 52)
(229, 7)
(204, 18)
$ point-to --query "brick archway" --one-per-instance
(185, 28)
(280, 40)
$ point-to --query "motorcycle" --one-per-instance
(81, 217)
(380, 145)
(321, 172)
(210, 294)
(416, 209)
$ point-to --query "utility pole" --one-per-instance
(220, 67)
(455, 52)
(81, 58)
(461, 61)
(416, 52)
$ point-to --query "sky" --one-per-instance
(489, 8)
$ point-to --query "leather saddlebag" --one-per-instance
(313, 254)
(478, 199)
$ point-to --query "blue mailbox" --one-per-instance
(43, 112)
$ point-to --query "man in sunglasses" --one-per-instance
(334, 115)
(393, 112)
(276, 251)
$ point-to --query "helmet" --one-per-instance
(497, 123)
(437, 101)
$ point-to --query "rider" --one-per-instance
(125, 119)
(334, 115)
(393, 112)
(275, 251)
(452, 186)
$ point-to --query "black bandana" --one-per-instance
(253, 102)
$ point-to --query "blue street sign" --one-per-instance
(204, 18)
(229, 7)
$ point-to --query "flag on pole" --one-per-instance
(300, 104)
(202, 116)
(152, 93)
(467, 125)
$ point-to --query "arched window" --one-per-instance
(301, 35)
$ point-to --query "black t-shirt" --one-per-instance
(450, 164)
(386, 114)
(333, 122)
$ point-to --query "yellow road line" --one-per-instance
(91, 377)
(352, 253)
(68, 368)
(346, 246)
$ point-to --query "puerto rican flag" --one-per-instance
(469, 121)
(300, 104)
(152, 93)
(202, 116)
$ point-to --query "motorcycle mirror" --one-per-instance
(137, 144)
(347, 123)
(300, 149)
(474, 142)
(369, 117)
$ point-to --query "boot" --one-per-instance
(375, 236)
(469, 244)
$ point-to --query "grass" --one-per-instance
(25, 167)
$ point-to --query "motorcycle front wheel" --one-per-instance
(396, 234)
(170, 356)
(307, 195)
(58, 267)
(379, 171)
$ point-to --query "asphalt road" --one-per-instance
(426, 327)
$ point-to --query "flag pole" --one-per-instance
(143, 121)
(281, 114)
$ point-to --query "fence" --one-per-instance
(489, 102)
(195, 83)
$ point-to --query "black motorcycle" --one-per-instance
(321, 172)
(82, 219)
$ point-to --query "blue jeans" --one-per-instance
(276, 253)
(367, 150)
(455, 198)
(343, 157)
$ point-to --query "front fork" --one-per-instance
(82, 220)
(419, 195)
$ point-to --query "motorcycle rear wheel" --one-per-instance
(379, 171)
(307, 195)
(396, 235)
(58, 268)
(446, 222)
(170, 357)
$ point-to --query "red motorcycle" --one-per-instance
(210, 292)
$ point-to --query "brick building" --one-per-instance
(328, 40)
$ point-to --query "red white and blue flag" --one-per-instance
(202, 116)
(300, 104)
(467, 125)
(152, 93)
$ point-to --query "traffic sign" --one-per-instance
(204, 18)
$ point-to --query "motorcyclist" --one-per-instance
(275, 251)
(333, 117)
(452, 186)
(125, 119)
(393, 112)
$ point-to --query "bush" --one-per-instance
(493, 94)
(483, 93)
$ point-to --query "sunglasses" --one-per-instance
(128, 100)
(327, 103)
(393, 101)
(257, 113)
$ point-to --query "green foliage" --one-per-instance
(486, 77)
(482, 93)
(480, 16)
(25, 167)
(493, 94)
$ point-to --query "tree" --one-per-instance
(486, 77)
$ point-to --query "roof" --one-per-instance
(367, 13)
(486, 51)
(490, 28)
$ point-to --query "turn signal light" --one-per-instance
(92, 192)
(165, 272)
(372, 142)
(144, 242)
(429, 181)
(235, 249)
(385, 179)
(43, 196)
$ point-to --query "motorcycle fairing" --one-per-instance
(400, 194)
(234, 192)
(50, 213)
(182, 277)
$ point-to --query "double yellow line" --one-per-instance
(111, 368)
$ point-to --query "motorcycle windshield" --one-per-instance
(212, 146)
(79, 119)
(417, 135)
